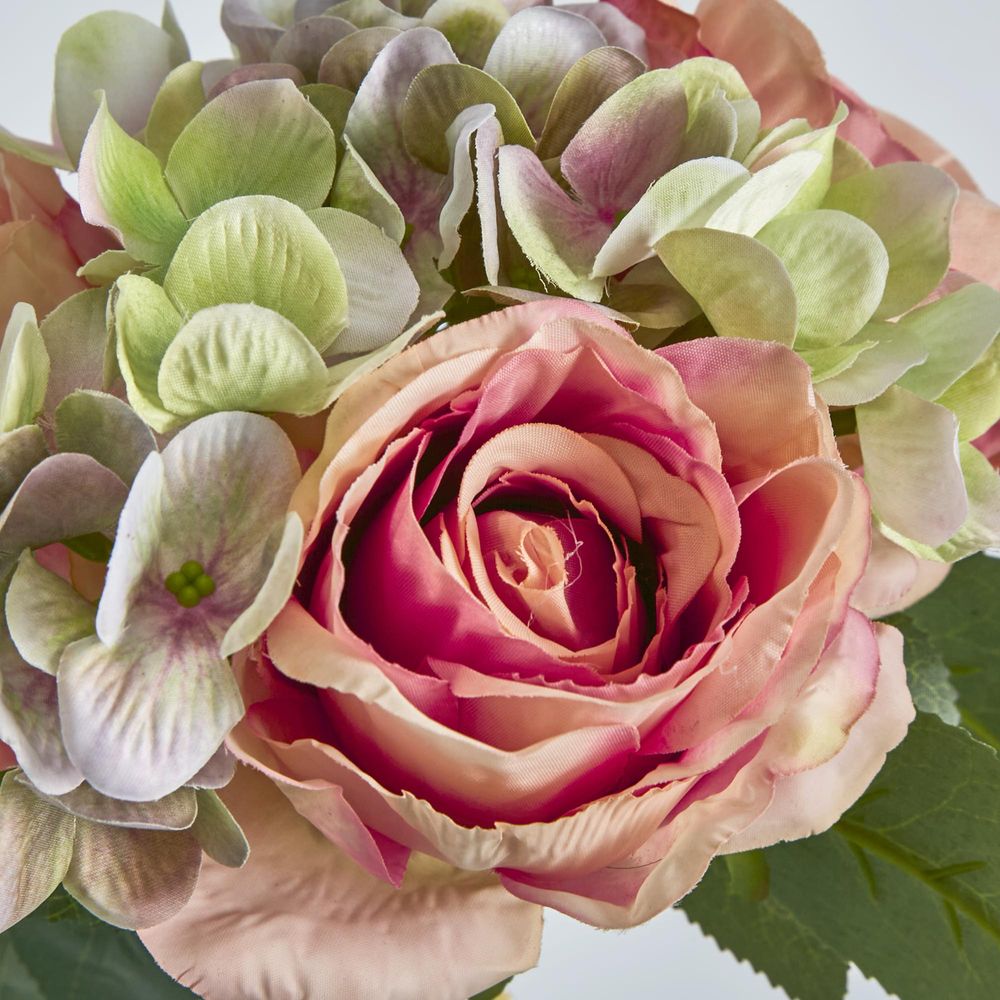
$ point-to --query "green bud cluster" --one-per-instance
(190, 584)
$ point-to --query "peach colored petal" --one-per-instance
(927, 149)
(36, 267)
(300, 920)
(776, 55)
(760, 397)
(811, 801)
(671, 34)
(975, 238)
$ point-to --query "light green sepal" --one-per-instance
(106, 268)
(975, 397)
(909, 205)
(121, 54)
(122, 187)
(357, 190)
(24, 370)
(838, 268)
(259, 138)
(241, 357)
(829, 362)
(740, 284)
(956, 330)
(266, 251)
(180, 98)
(146, 323)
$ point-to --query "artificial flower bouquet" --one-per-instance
(464, 458)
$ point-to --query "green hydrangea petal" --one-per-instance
(909, 205)
(974, 398)
(265, 251)
(260, 138)
(349, 60)
(740, 284)
(180, 99)
(357, 190)
(24, 370)
(838, 268)
(307, 41)
(471, 26)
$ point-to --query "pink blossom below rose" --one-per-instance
(571, 611)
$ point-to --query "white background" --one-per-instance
(932, 63)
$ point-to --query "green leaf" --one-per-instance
(767, 934)
(960, 618)
(62, 951)
(122, 188)
(259, 138)
(926, 672)
(905, 886)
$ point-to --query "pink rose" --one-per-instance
(572, 612)
(43, 238)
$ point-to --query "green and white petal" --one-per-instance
(30, 724)
(686, 197)
(218, 833)
(104, 427)
(464, 129)
(381, 290)
(264, 251)
(912, 468)
(215, 495)
(37, 844)
(357, 190)
(438, 95)
(241, 357)
(591, 80)
(828, 362)
(307, 41)
(838, 268)
(956, 331)
(176, 811)
(45, 614)
(910, 206)
(873, 370)
(534, 51)
(62, 498)
(179, 100)
(122, 188)
(559, 236)
(146, 323)
(121, 54)
(20, 452)
(722, 113)
(106, 268)
(766, 195)
(741, 285)
(132, 878)
(24, 370)
(259, 138)
(280, 560)
(630, 141)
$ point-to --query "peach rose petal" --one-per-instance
(894, 579)
(301, 920)
(775, 53)
(927, 149)
(975, 238)
(811, 801)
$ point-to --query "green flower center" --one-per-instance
(190, 584)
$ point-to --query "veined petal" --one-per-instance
(20, 452)
(45, 614)
(559, 236)
(910, 450)
(37, 843)
(132, 878)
